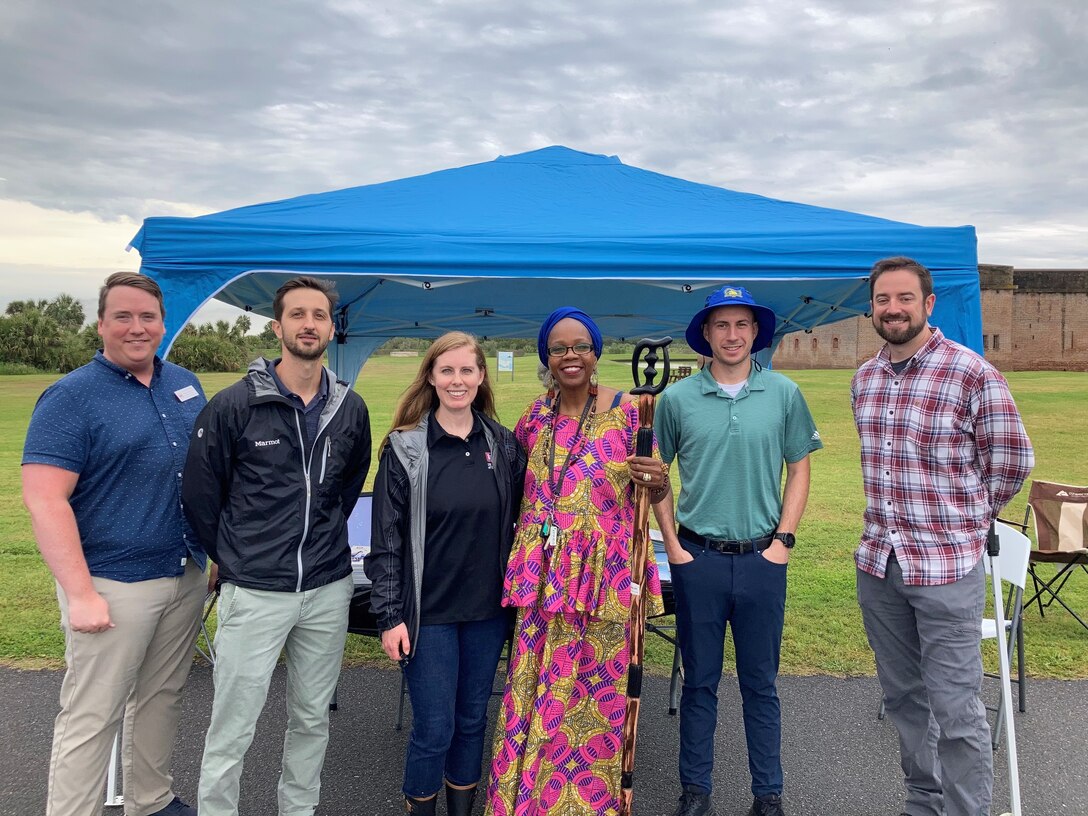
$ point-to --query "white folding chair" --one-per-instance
(1015, 552)
(1013, 568)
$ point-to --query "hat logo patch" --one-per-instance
(733, 293)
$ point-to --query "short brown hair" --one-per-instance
(136, 281)
(327, 288)
(901, 262)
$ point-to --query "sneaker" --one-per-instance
(176, 808)
(693, 802)
(768, 805)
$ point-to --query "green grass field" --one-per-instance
(823, 626)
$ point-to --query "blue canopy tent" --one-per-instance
(492, 248)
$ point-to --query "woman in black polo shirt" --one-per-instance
(448, 486)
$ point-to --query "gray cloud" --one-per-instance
(934, 112)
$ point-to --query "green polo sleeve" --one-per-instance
(802, 437)
(666, 428)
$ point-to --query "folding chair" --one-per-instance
(679, 373)
(205, 650)
(1060, 515)
(662, 630)
(1013, 568)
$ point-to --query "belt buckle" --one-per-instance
(724, 547)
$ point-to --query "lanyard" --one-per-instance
(547, 530)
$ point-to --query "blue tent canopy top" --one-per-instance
(492, 248)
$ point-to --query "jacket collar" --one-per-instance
(263, 387)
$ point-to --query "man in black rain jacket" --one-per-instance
(275, 466)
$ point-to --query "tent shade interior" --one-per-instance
(492, 248)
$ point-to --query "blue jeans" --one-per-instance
(749, 592)
(450, 677)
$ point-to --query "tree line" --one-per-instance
(50, 336)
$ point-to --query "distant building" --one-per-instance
(1032, 320)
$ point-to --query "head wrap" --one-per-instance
(562, 313)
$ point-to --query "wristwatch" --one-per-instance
(787, 539)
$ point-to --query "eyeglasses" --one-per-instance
(578, 348)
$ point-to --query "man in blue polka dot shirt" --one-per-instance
(102, 468)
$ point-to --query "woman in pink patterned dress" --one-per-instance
(558, 743)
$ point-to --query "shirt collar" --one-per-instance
(436, 432)
(322, 389)
(935, 341)
(710, 386)
(99, 357)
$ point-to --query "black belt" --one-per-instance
(745, 545)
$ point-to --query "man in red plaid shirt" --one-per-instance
(943, 449)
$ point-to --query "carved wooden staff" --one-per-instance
(641, 550)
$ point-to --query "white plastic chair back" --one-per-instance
(1015, 552)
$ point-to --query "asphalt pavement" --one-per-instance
(839, 759)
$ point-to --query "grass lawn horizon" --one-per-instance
(823, 632)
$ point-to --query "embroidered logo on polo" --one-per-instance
(265, 443)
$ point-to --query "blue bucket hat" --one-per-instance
(730, 295)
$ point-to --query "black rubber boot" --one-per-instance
(420, 807)
(459, 801)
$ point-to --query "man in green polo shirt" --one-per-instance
(733, 427)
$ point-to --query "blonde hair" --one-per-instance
(420, 397)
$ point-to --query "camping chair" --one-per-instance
(1013, 568)
(1060, 515)
(205, 650)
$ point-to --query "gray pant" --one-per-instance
(253, 627)
(926, 643)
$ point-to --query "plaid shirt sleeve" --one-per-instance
(942, 450)
(1004, 450)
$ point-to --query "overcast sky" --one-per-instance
(937, 113)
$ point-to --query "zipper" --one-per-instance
(306, 517)
(306, 463)
(325, 458)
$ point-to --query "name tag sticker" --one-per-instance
(185, 394)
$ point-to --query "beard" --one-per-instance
(304, 352)
(899, 336)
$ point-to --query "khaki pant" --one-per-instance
(135, 670)
(254, 626)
